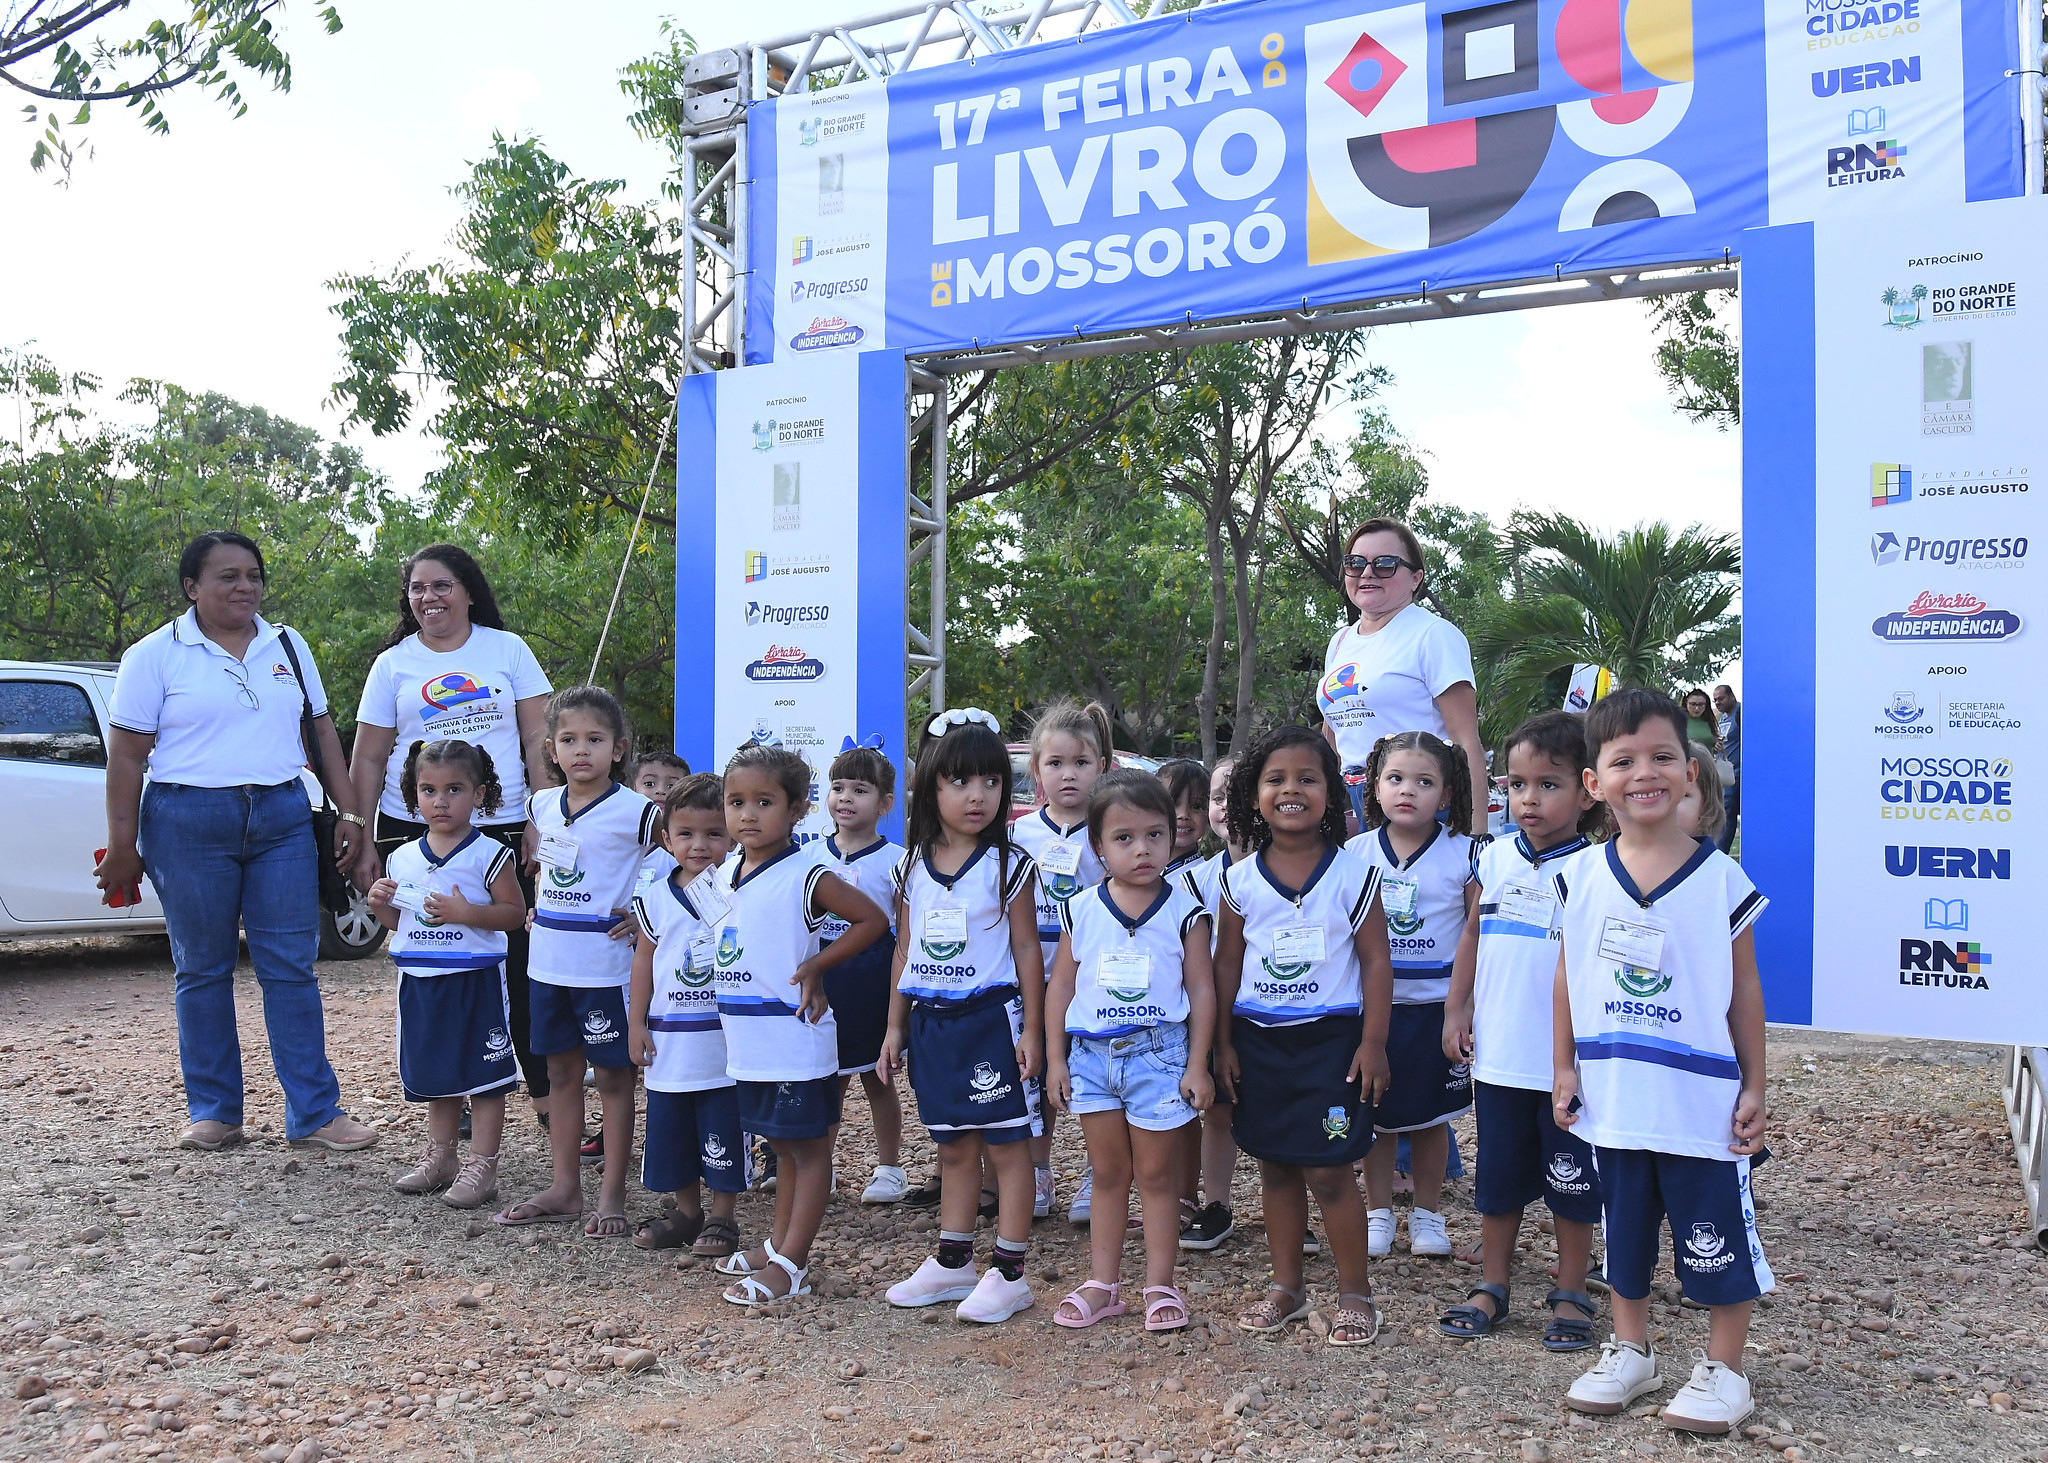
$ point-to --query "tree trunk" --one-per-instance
(1212, 659)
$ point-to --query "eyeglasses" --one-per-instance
(244, 692)
(1382, 566)
(441, 587)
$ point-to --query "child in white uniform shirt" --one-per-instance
(450, 898)
(1131, 990)
(1658, 1044)
(673, 1030)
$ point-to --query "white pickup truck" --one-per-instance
(53, 779)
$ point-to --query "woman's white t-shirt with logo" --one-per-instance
(682, 1014)
(768, 925)
(1128, 972)
(1386, 682)
(956, 927)
(1424, 898)
(1519, 937)
(1300, 958)
(1651, 977)
(589, 861)
(467, 694)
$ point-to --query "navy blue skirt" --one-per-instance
(455, 1034)
(1426, 1087)
(858, 993)
(963, 1064)
(1294, 1103)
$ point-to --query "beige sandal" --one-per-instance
(1349, 1318)
(1269, 1317)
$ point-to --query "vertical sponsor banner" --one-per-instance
(790, 574)
(1287, 154)
(1926, 603)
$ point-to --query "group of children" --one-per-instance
(1299, 995)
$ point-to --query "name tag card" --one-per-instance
(1529, 906)
(411, 897)
(709, 896)
(947, 926)
(1061, 859)
(558, 851)
(1632, 943)
(1399, 897)
(1128, 974)
(1300, 945)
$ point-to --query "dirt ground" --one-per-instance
(278, 1303)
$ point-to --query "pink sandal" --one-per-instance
(1169, 1299)
(1079, 1302)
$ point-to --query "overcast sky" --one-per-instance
(202, 258)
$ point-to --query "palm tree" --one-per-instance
(1650, 604)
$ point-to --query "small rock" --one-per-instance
(1779, 1441)
(848, 1370)
(300, 1335)
(306, 1452)
(836, 1414)
(29, 1387)
(292, 1165)
(302, 1219)
(639, 1359)
(919, 1435)
(1238, 1402)
(275, 1453)
(91, 1233)
(20, 1263)
(1793, 1362)
(467, 1300)
(1535, 1450)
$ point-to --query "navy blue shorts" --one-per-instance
(1295, 1104)
(963, 1067)
(1716, 1252)
(455, 1035)
(1427, 1087)
(1525, 1156)
(567, 1018)
(693, 1136)
(858, 993)
(791, 1111)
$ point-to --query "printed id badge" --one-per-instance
(411, 897)
(946, 925)
(708, 896)
(1528, 906)
(1061, 860)
(1399, 897)
(1630, 942)
(1127, 975)
(1300, 945)
(558, 851)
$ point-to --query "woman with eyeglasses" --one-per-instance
(1397, 667)
(210, 706)
(450, 669)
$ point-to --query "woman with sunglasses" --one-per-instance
(450, 668)
(1397, 667)
(210, 707)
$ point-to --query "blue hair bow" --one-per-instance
(874, 742)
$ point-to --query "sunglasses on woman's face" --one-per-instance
(1383, 566)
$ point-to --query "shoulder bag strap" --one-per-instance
(308, 737)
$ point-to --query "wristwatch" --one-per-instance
(355, 818)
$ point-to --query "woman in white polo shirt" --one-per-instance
(210, 705)
(1398, 668)
(451, 670)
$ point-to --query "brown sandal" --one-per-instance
(1269, 1317)
(719, 1238)
(671, 1231)
(1349, 1318)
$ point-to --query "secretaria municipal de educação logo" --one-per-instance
(1284, 972)
(565, 878)
(729, 948)
(1336, 1123)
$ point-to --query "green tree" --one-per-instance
(1649, 603)
(75, 54)
(1699, 355)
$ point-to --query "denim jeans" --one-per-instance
(222, 857)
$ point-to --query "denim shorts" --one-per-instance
(1139, 1073)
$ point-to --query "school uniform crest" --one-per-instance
(1337, 1124)
(1400, 898)
(565, 878)
(1641, 983)
(714, 1148)
(1565, 1169)
(984, 1077)
(729, 948)
(942, 950)
(498, 1045)
(1705, 1241)
(597, 1026)
(1284, 972)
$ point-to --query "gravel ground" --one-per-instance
(279, 1303)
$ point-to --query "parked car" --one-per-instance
(1024, 798)
(53, 782)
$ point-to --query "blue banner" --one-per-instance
(1285, 154)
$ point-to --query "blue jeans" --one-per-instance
(222, 857)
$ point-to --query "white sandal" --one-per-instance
(736, 1262)
(752, 1292)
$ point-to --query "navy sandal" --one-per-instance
(1563, 1333)
(1470, 1322)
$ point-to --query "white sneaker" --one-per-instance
(1041, 1192)
(995, 1299)
(1714, 1401)
(888, 1186)
(1623, 1373)
(1084, 1199)
(933, 1283)
(1379, 1233)
(1427, 1236)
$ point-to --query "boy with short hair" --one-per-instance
(1658, 1044)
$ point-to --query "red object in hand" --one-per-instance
(117, 898)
